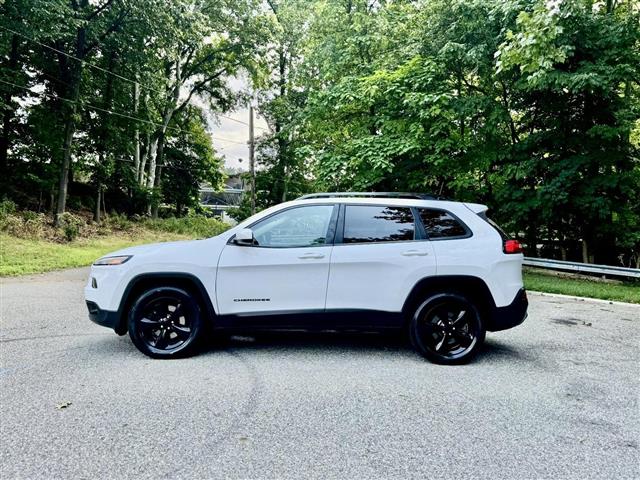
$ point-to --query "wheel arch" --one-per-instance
(146, 281)
(474, 288)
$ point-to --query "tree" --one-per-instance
(217, 40)
(189, 161)
(579, 65)
(88, 28)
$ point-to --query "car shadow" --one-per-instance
(495, 351)
(393, 343)
(312, 341)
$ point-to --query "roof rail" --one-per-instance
(418, 196)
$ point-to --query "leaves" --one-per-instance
(527, 106)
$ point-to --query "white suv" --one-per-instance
(324, 262)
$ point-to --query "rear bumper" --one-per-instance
(104, 318)
(511, 315)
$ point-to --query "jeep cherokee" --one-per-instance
(439, 269)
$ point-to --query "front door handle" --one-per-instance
(308, 256)
(415, 253)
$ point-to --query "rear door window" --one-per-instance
(440, 224)
(373, 223)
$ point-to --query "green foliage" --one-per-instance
(7, 207)
(529, 106)
(84, 59)
(193, 226)
(189, 161)
(70, 225)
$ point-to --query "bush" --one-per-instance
(118, 221)
(7, 207)
(33, 225)
(71, 225)
(26, 224)
(11, 224)
(195, 226)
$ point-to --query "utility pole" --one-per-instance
(252, 161)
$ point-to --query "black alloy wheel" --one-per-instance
(165, 322)
(447, 328)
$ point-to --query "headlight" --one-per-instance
(119, 260)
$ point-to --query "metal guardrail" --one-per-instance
(587, 268)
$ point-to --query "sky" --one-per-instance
(224, 128)
(230, 131)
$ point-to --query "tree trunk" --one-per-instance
(585, 251)
(156, 199)
(136, 131)
(104, 205)
(69, 129)
(143, 162)
(157, 146)
(532, 242)
(282, 144)
(158, 177)
(103, 136)
(75, 78)
(8, 111)
(153, 149)
(96, 211)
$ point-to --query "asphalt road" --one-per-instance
(554, 398)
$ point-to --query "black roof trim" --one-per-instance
(418, 196)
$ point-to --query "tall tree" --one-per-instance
(89, 26)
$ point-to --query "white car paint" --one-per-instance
(377, 276)
(272, 279)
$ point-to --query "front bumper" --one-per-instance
(104, 318)
(511, 315)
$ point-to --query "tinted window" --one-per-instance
(377, 224)
(297, 227)
(440, 224)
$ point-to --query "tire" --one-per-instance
(166, 322)
(447, 328)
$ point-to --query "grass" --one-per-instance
(21, 256)
(30, 243)
(551, 283)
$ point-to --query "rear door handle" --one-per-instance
(415, 253)
(308, 256)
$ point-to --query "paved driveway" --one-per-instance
(554, 398)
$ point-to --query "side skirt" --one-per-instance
(312, 320)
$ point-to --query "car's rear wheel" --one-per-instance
(447, 328)
(166, 322)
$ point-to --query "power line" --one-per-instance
(97, 67)
(58, 97)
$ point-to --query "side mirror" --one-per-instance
(244, 238)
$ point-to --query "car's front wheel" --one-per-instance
(447, 328)
(165, 322)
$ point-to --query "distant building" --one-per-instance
(218, 202)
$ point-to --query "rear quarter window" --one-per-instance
(440, 224)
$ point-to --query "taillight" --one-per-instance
(512, 246)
